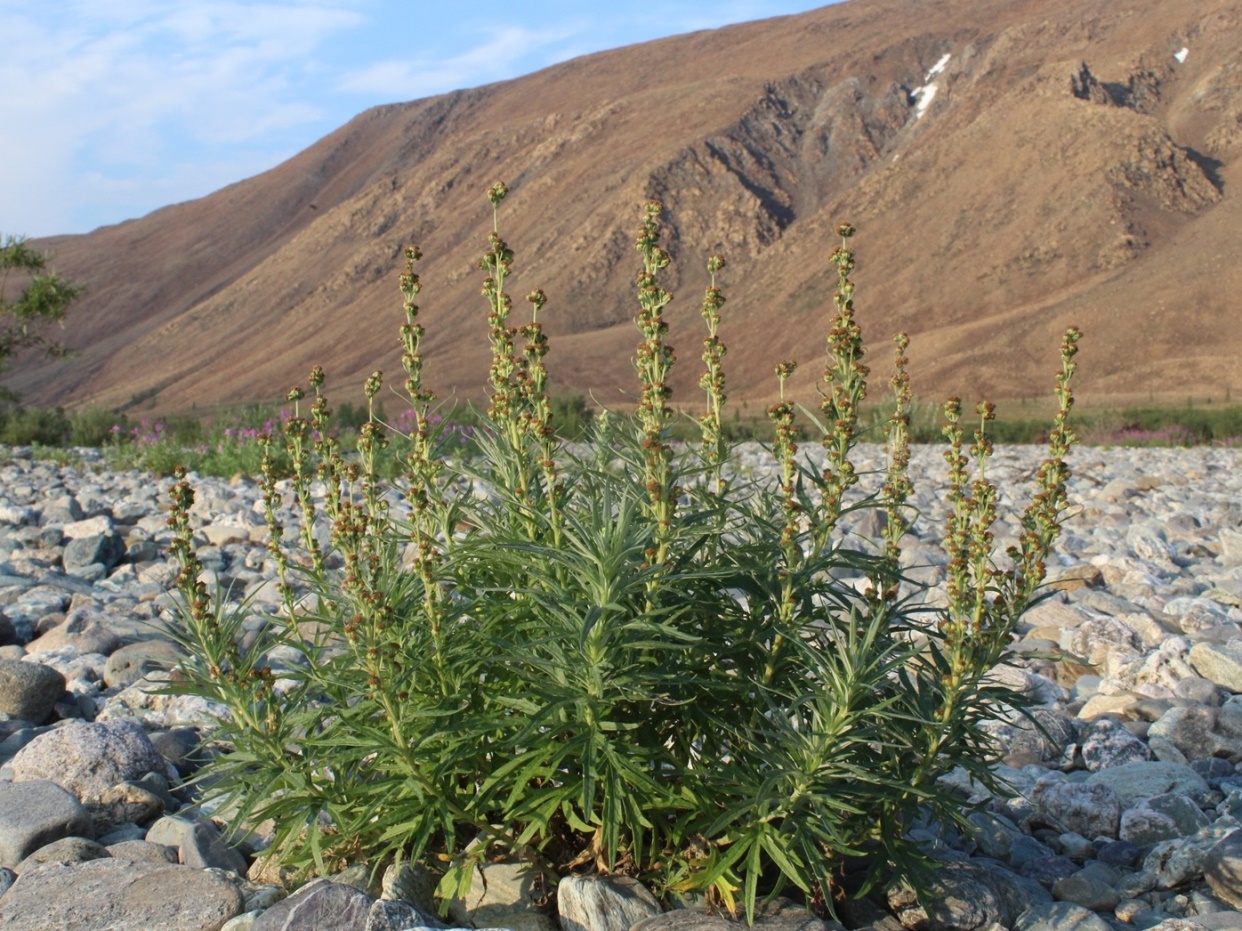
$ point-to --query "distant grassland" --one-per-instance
(222, 439)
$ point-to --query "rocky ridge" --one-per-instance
(1126, 802)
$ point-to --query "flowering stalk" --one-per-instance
(508, 374)
(785, 449)
(712, 381)
(275, 530)
(897, 485)
(537, 416)
(251, 692)
(654, 360)
(497, 262)
(423, 467)
(299, 446)
(845, 378)
(1041, 522)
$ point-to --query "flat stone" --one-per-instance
(90, 527)
(135, 660)
(1219, 662)
(1133, 781)
(142, 851)
(1060, 916)
(119, 895)
(1222, 868)
(86, 631)
(65, 850)
(224, 534)
(1089, 893)
(386, 915)
(781, 915)
(33, 814)
(318, 904)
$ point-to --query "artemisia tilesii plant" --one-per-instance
(625, 655)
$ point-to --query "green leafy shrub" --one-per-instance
(621, 655)
(20, 426)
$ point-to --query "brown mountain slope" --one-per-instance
(1067, 168)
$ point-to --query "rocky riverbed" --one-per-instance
(1126, 803)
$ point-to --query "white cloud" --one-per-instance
(496, 57)
(114, 108)
(102, 93)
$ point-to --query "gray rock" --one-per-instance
(1148, 541)
(1089, 809)
(62, 509)
(119, 895)
(1222, 868)
(995, 834)
(781, 915)
(964, 896)
(85, 630)
(198, 843)
(1219, 662)
(88, 759)
(1198, 689)
(1047, 870)
(412, 883)
(29, 690)
(318, 904)
(33, 814)
(65, 850)
(133, 661)
(387, 915)
(502, 895)
(1185, 734)
(98, 526)
(124, 803)
(179, 746)
(1133, 781)
(1106, 743)
(603, 903)
(1060, 916)
(142, 851)
(1161, 818)
(1076, 846)
(105, 549)
(1175, 862)
(1089, 893)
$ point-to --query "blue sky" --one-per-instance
(112, 108)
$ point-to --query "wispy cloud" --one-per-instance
(112, 109)
(159, 90)
(498, 54)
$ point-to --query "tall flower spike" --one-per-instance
(845, 387)
(654, 360)
(897, 485)
(712, 381)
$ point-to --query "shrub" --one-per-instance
(614, 656)
(21, 426)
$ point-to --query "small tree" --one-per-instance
(43, 300)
